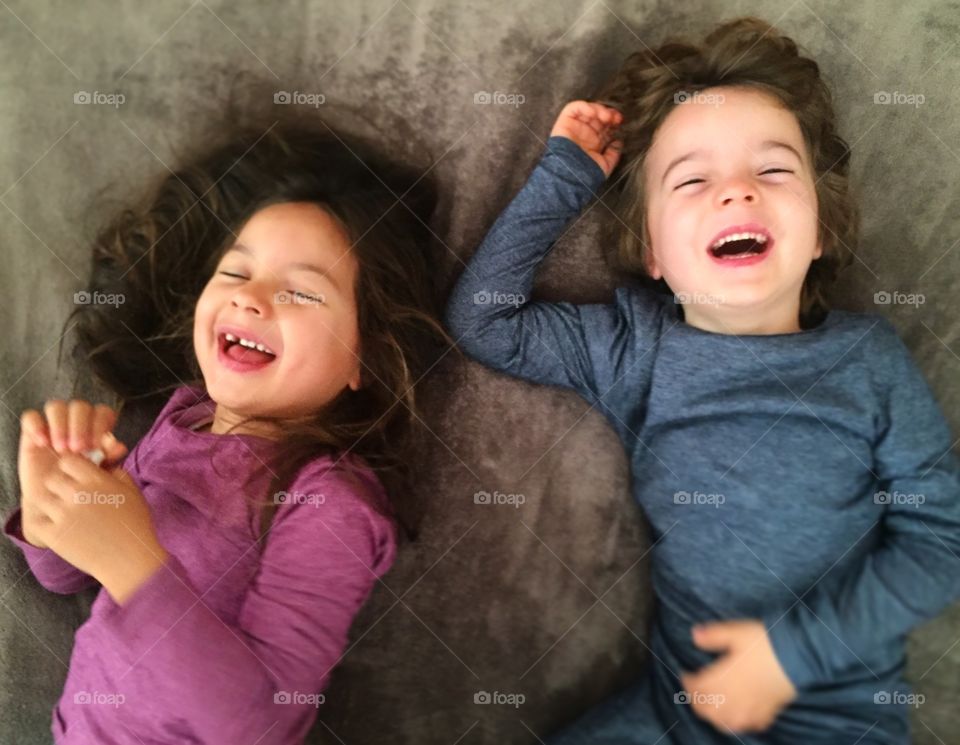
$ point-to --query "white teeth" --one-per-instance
(250, 344)
(758, 237)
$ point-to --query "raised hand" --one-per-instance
(592, 126)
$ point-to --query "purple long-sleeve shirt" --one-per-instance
(232, 640)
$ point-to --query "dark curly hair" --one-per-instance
(160, 252)
(746, 52)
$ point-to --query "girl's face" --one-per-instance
(732, 160)
(287, 283)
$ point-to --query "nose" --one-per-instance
(738, 189)
(252, 297)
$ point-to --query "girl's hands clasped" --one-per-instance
(93, 516)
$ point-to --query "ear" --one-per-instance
(355, 382)
(818, 251)
(652, 267)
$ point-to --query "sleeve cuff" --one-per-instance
(783, 639)
(51, 571)
(585, 166)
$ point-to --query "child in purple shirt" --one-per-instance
(293, 357)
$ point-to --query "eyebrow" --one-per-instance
(764, 146)
(302, 266)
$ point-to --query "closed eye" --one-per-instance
(700, 180)
(296, 293)
(306, 296)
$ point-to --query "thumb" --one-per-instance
(112, 448)
(714, 637)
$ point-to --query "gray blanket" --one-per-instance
(548, 598)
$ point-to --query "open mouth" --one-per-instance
(741, 246)
(244, 353)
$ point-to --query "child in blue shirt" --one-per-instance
(791, 459)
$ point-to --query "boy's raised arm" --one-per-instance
(589, 348)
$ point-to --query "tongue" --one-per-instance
(742, 246)
(241, 353)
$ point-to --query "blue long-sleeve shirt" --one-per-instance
(803, 479)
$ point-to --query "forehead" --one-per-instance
(727, 121)
(296, 231)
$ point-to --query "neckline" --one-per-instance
(202, 411)
(831, 317)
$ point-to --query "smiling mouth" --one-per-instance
(239, 351)
(740, 245)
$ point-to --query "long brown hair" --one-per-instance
(159, 253)
(745, 52)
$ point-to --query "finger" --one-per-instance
(713, 637)
(78, 467)
(104, 420)
(56, 412)
(33, 426)
(112, 448)
(80, 416)
(60, 485)
(589, 118)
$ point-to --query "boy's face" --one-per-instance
(313, 333)
(747, 169)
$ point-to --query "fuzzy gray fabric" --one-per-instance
(549, 598)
